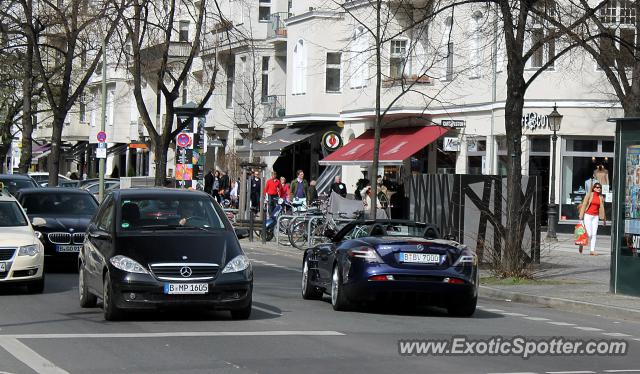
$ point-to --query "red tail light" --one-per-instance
(453, 281)
(381, 278)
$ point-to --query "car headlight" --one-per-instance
(239, 263)
(29, 250)
(126, 264)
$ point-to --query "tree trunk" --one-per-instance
(27, 89)
(378, 122)
(160, 154)
(5, 136)
(512, 251)
(56, 146)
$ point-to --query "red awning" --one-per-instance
(396, 145)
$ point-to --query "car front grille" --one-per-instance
(177, 271)
(78, 238)
(59, 237)
(6, 254)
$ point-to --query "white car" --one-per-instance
(21, 251)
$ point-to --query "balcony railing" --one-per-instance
(274, 107)
(277, 28)
(154, 53)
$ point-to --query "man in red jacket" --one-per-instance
(272, 191)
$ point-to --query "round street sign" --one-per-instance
(331, 140)
(102, 136)
(184, 140)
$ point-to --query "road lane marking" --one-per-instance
(571, 372)
(494, 310)
(30, 357)
(266, 311)
(623, 371)
(174, 334)
(616, 334)
(587, 328)
(561, 323)
(514, 314)
(519, 372)
(536, 318)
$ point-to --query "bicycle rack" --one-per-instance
(310, 238)
(276, 233)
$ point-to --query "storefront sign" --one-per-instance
(453, 123)
(534, 121)
(331, 141)
(451, 144)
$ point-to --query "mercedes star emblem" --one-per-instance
(420, 247)
(185, 271)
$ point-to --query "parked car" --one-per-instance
(21, 253)
(65, 214)
(42, 178)
(15, 182)
(157, 247)
(380, 259)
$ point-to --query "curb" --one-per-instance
(562, 304)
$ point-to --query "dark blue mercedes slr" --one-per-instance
(388, 259)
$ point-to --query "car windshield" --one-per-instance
(15, 185)
(59, 203)
(168, 214)
(404, 230)
(11, 215)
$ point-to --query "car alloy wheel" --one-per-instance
(309, 291)
(111, 312)
(87, 299)
(338, 298)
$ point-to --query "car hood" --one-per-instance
(59, 223)
(17, 236)
(180, 246)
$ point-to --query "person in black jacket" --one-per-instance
(224, 185)
(339, 187)
(256, 185)
(208, 182)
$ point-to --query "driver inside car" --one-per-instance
(191, 214)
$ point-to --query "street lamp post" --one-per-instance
(555, 119)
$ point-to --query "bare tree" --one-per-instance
(163, 53)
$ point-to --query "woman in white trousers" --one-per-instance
(591, 211)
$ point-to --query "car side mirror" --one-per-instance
(37, 221)
(242, 233)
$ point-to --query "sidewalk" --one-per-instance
(564, 279)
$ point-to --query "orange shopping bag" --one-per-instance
(581, 236)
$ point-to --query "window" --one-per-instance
(264, 10)
(184, 31)
(83, 111)
(185, 90)
(445, 51)
(449, 72)
(545, 52)
(265, 79)
(299, 78)
(104, 220)
(476, 36)
(358, 66)
(618, 44)
(398, 59)
(476, 155)
(230, 78)
(333, 72)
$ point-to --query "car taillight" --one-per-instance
(381, 278)
(453, 281)
(365, 253)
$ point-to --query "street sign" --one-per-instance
(184, 140)
(453, 123)
(102, 136)
(101, 151)
(331, 140)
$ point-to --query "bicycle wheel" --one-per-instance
(298, 234)
(317, 232)
(285, 223)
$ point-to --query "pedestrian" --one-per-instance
(215, 187)
(272, 191)
(312, 193)
(208, 182)
(256, 186)
(299, 189)
(592, 209)
(224, 185)
(339, 187)
(233, 194)
(285, 190)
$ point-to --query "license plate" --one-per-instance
(186, 288)
(420, 258)
(3, 267)
(68, 248)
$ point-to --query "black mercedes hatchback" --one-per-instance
(154, 248)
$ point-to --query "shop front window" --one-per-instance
(445, 159)
(476, 155)
(584, 162)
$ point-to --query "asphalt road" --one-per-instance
(50, 333)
